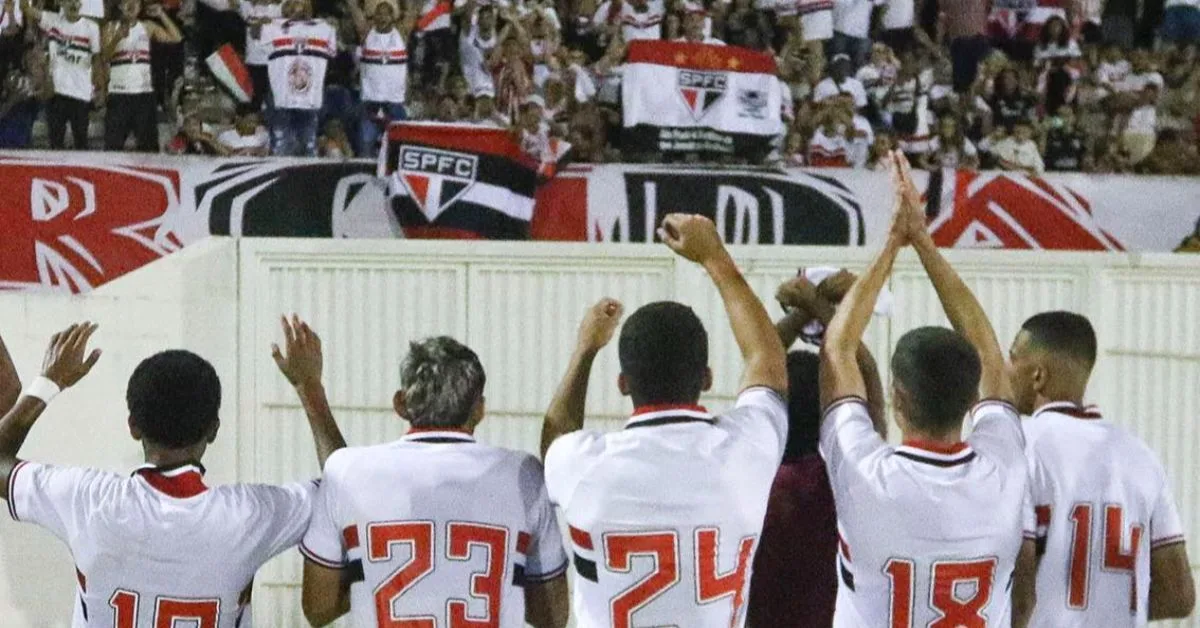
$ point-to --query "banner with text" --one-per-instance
(699, 98)
(73, 221)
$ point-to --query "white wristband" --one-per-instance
(43, 388)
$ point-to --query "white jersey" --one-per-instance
(160, 547)
(473, 51)
(383, 66)
(299, 54)
(130, 65)
(642, 24)
(665, 515)
(926, 532)
(472, 521)
(257, 50)
(1102, 505)
(72, 47)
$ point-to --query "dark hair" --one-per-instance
(939, 370)
(664, 353)
(1064, 38)
(174, 398)
(1063, 333)
(804, 405)
(442, 380)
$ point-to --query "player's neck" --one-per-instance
(1074, 397)
(163, 457)
(915, 436)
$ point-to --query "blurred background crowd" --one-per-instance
(1027, 85)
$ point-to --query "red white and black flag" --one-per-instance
(681, 97)
(460, 180)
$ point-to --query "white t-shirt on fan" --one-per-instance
(72, 48)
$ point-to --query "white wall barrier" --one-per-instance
(518, 306)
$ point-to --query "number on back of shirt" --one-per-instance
(464, 540)
(635, 551)
(200, 613)
(959, 591)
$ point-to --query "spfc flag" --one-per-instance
(459, 181)
(680, 97)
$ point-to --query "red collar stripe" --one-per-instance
(937, 448)
(667, 407)
(180, 486)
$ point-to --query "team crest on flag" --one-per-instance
(701, 90)
(436, 178)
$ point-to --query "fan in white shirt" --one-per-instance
(952, 509)
(159, 547)
(247, 138)
(839, 81)
(1110, 542)
(641, 19)
(693, 29)
(475, 46)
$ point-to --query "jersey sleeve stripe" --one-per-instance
(581, 538)
(841, 401)
(12, 481)
(350, 537)
(523, 540)
(316, 558)
(1167, 541)
(549, 575)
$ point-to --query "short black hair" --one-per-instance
(664, 353)
(804, 405)
(1063, 333)
(174, 398)
(939, 370)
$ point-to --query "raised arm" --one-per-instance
(31, 12)
(565, 414)
(67, 361)
(361, 26)
(962, 308)
(840, 372)
(162, 29)
(301, 365)
(10, 382)
(695, 238)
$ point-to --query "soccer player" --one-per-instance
(1110, 542)
(160, 547)
(795, 576)
(930, 530)
(664, 515)
(435, 529)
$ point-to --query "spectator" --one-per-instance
(1018, 151)
(640, 19)
(839, 81)
(434, 47)
(1010, 104)
(747, 27)
(963, 24)
(248, 137)
(512, 65)
(301, 49)
(852, 29)
(543, 45)
(1119, 21)
(12, 31)
(1180, 22)
(1113, 68)
(829, 146)
(76, 70)
(132, 106)
(899, 18)
(795, 149)
(382, 71)
(194, 139)
(1141, 128)
(479, 38)
(486, 112)
(1067, 148)
(950, 148)
(257, 14)
(22, 93)
(879, 75)
(334, 143)
(531, 128)
(815, 18)
(1056, 43)
(880, 157)
(693, 29)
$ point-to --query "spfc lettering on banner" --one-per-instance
(436, 178)
(701, 90)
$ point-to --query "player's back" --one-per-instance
(927, 533)
(160, 546)
(1102, 503)
(436, 526)
(665, 514)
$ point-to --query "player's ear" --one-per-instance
(708, 380)
(478, 411)
(900, 404)
(1040, 378)
(212, 434)
(398, 404)
(134, 431)
(623, 385)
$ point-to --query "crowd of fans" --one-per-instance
(1028, 85)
